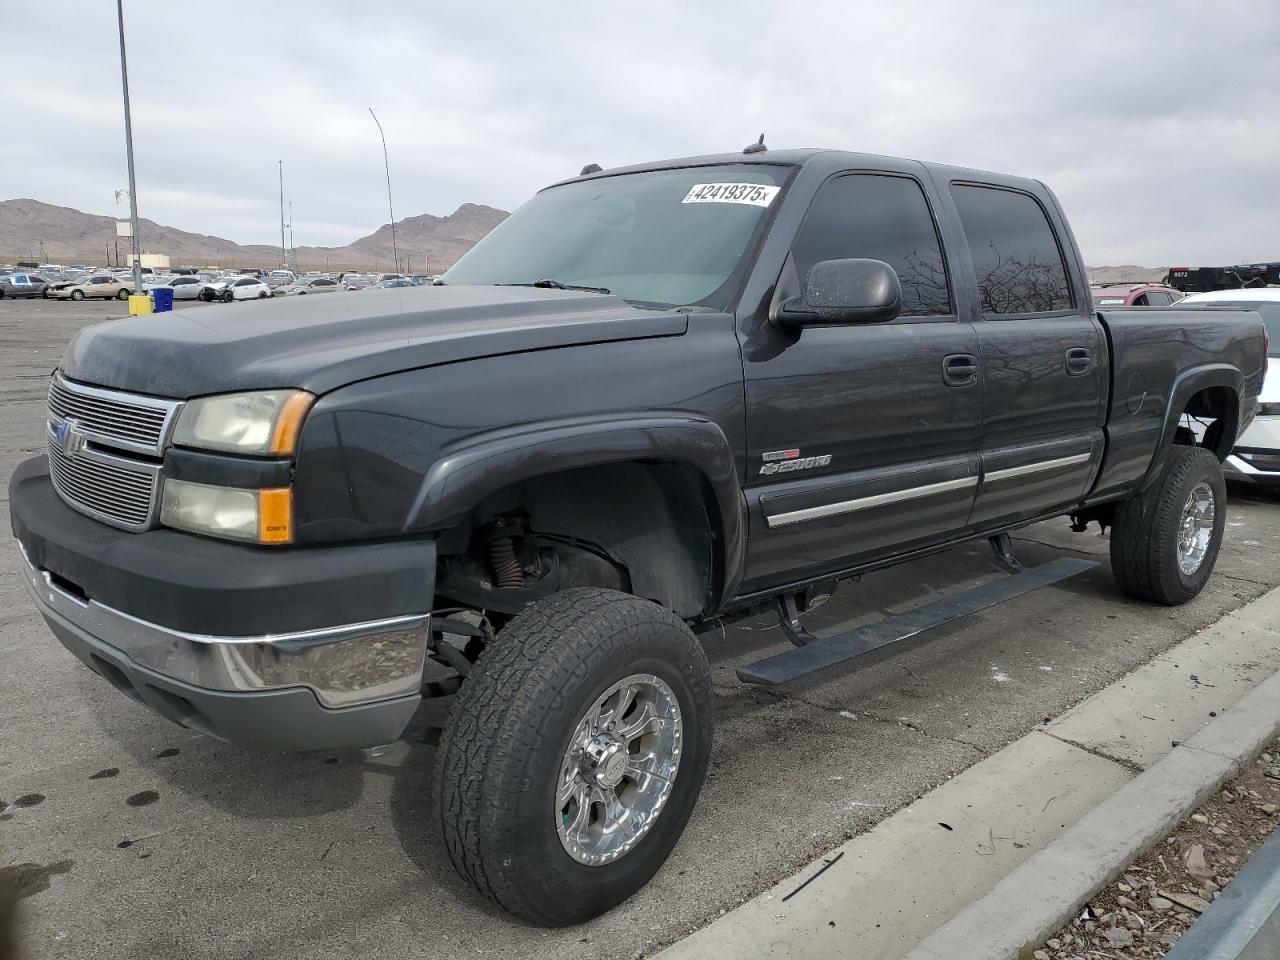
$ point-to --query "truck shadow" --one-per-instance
(166, 759)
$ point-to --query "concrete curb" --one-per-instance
(1046, 891)
(999, 855)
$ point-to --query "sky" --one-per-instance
(1156, 123)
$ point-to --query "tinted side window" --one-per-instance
(1158, 299)
(878, 217)
(1015, 256)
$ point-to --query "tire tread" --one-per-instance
(473, 763)
(1145, 526)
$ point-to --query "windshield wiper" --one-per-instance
(556, 285)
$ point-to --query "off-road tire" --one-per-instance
(1144, 536)
(501, 754)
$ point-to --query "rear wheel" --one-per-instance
(575, 755)
(1165, 541)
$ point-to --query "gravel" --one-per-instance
(1144, 912)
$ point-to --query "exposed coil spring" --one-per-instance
(507, 573)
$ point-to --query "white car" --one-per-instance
(305, 285)
(1256, 455)
(243, 288)
(183, 287)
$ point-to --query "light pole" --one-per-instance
(387, 163)
(284, 262)
(128, 144)
(293, 250)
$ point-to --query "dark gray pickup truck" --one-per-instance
(653, 398)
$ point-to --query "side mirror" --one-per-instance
(844, 291)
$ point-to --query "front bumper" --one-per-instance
(239, 642)
(1256, 457)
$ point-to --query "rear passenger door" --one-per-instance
(1043, 356)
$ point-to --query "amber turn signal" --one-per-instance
(275, 515)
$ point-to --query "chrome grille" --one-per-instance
(132, 422)
(104, 451)
(109, 488)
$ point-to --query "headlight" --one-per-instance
(1269, 409)
(256, 516)
(261, 424)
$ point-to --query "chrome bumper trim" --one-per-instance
(1238, 468)
(344, 666)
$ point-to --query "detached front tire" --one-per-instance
(575, 755)
(1164, 542)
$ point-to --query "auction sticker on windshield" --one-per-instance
(753, 194)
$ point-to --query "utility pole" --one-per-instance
(128, 143)
(387, 163)
(284, 262)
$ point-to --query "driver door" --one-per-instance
(862, 437)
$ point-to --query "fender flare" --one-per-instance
(469, 471)
(1186, 385)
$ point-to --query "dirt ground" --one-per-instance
(216, 853)
(1144, 912)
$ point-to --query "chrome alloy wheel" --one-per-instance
(1196, 528)
(619, 769)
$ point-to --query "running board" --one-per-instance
(829, 651)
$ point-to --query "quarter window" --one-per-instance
(878, 217)
(1018, 263)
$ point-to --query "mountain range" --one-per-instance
(36, 231)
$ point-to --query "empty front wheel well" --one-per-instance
(647, 528)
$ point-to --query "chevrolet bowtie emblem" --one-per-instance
(69, 437)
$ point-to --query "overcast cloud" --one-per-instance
(1157, 123)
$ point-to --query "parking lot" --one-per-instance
(147, 840)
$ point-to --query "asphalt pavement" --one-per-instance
(143, 839)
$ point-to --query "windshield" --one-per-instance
(664, 236)
(1270, 316)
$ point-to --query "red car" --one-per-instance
(1129, 294)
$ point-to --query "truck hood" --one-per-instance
(319, 343)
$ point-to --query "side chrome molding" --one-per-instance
(866, 503)
(1041, 467)
(915, 493)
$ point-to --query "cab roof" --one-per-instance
(799, 156)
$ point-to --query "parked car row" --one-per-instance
(78, 283)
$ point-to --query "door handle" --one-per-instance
(1079, 362)
(960, 369)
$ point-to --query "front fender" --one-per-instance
(466, 473)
